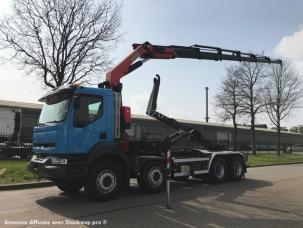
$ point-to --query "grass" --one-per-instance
(268, 159)
(16, 172)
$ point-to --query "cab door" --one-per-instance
(89, 123)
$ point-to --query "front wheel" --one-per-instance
(152, 178)
(104, 181)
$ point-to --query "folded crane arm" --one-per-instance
(146, 51)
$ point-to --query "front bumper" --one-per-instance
(44, 168)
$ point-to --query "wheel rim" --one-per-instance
(155, 176)
(219, 170)
(106, 181)
(237, 168)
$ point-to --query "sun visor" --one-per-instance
(57, 95)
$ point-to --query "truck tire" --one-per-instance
(104, 181)
(236, 169)
(152, 177)
(218, 171)
(68, 186)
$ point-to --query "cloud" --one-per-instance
(16, 86)
(291, 47)
(5, 6)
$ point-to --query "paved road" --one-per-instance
(269, 197)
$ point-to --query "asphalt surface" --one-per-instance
(269, 197)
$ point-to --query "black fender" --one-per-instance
(112, 153)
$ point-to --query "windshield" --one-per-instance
(56, 112)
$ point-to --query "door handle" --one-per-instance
(103, 135)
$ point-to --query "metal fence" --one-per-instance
(14, 147)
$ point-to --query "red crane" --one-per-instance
(146, 51)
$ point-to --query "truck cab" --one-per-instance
(85, 115)
(77, 126)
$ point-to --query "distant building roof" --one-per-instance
(18, 104)
(259, 125)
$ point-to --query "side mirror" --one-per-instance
(76, 102)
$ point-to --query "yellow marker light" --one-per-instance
(76, 84)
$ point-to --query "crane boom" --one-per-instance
(146, 51)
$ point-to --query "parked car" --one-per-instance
(295, 148)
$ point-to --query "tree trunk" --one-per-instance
(278, 138)
(235, 146)
(253, 136)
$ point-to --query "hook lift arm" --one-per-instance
(182, 130)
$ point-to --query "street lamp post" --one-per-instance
(206, 91)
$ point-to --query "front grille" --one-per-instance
(44, 145)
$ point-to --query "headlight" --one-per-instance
(34, 157)
(58, 161)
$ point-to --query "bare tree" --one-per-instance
(228, 100)
(281, 95)
(251, 78)
(61, 42)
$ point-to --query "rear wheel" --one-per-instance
(236, 169)
(104, 181)
(218, 171)
(152, 177)
(69, 186)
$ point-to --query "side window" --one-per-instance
(88, 110)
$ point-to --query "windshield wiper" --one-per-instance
(42, 124)
(54, 121)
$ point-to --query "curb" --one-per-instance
(289, 163)
(26, 185)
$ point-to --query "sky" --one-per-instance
(274, 27)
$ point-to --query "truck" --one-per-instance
(81, 139)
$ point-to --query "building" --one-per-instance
(25, 116)
(146, 128)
